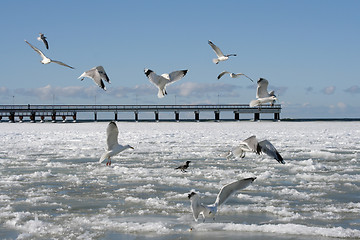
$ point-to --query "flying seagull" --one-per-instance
(97, 74)
(46, 60)
(113, 147)
(184, 167)
(225, 192)
(164, 79)
(42, 38)
(219, 54)
(233, 75)
(251, 144)
(262, 94)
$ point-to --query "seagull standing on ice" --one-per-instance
(225, 192)
(165, 79)
(262, 94)
(219, 54)
(113, 147)
(97, 74)
(233, 75)
(251, 144)
(42, 38)
(46, 60)
(184, 167)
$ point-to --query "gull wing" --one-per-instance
(270, 150)
(153, 77)
(238, 151)
(43, 39)
(95, 76)
(227, 190)
(217, 50)
(241, 74)
(103, 74)
(222, 74)
(261, 91)
(252, 144)
(61, 63)
(112, 133)
(37, 50)
(176, 76)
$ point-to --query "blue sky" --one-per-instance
(308, 50)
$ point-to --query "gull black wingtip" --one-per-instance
(147, 71)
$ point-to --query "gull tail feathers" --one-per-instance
(254, 103)
(104, 156)
(215, 60)
(160, 93)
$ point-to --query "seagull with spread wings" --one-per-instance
(113, 147)
(262, 94)
(225, 192)
(164, 79)
(46, 60)
(97, 74)
(251, 144)
(219, 54)
(233, 75)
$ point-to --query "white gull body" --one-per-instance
(164, 79)
(46, 60)
(262, 94)
(220, 56)
(97, 74)
(209, 211)
(251, 144)
(233, 75)
(113, 147)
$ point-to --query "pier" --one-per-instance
(70, 112)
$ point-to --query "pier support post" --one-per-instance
(256, 116)
(217, 115)
(74, 117)
(95, 116)
(32, 117)
(197, 118)
(156, 116)
(136, 116)
(116, 116)
(12, 117)
(53, 117)
(177, 118)
(236, 115)
(276, 116)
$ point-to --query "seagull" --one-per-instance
(165, 79)
(225, 192)
(251, 144)
(43, 39)
(262, 94)
(113, 147)
(97, 74)
(260, 101)
(46, 60)
(183, 167)
(233, 75)
(219, 54)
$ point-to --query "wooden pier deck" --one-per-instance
(54, 112)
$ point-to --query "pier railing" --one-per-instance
(42, 111)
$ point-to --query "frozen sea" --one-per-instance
(52, 186)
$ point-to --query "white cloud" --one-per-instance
(329, 90)
(353, 89)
